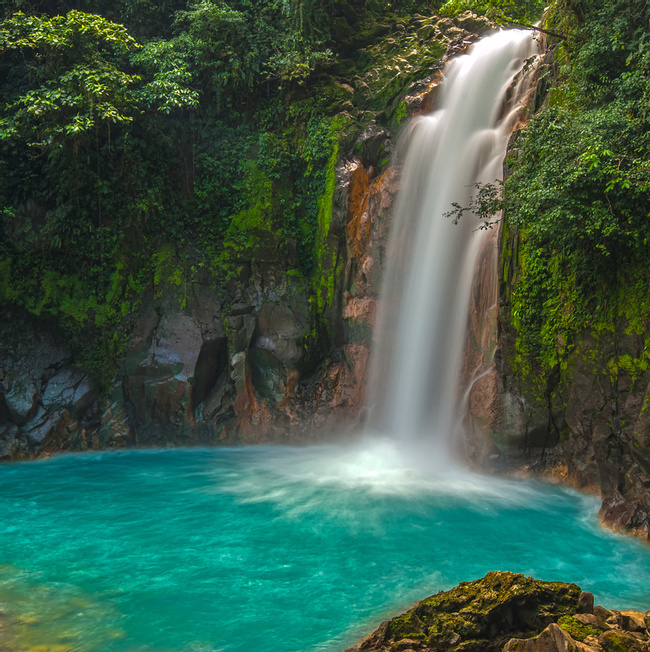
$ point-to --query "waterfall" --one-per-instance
(421, 329)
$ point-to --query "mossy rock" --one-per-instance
(618, 641)
(481, 615)
(407, 625)
(578, 630)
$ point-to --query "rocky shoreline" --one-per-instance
(508, 612)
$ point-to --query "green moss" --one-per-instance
(254, 232)
(401, 114)
(486, 613)
(169, 277)
(576, 629)
(574, 200)
(326, 269)
(407, 625)
(166, 268)
(618, 641)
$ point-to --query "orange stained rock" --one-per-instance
(360, 309)
(425, 102)
(358, 355)
(358, 192)
(365, 196)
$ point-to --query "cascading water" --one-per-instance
(431, 260)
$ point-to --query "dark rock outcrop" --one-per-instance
(198, 370)
(44, 398)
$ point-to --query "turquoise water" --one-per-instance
(272, 548)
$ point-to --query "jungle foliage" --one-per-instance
(130, 129)
(579, 193)
(499, 11)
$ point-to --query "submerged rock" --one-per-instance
(508, 612)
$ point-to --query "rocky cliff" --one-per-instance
(588, 427)
(568, 395)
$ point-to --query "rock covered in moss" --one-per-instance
(587, 634)
(480, 615)
(511, 613)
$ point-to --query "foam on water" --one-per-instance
(373, 465)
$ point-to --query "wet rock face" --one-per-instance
(511, 613)
(280, 330)
(20, 396)
(159, 390)
(45, 401)
(196, 374)
(203, 374)
(369, 217)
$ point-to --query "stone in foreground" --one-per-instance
(511, 613)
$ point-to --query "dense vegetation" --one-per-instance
(579, 193)
(148, 141)
(144, 143)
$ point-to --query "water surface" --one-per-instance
(272, 548)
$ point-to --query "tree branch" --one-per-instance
(536, 29)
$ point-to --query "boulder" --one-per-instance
(552, 639)
(616, 640)
(633, 621)
(70, 388)
(586, 604)
(20, 396)
(42, 428)
(159, 390)
(505, 612)
(482, 615)
(281, 330)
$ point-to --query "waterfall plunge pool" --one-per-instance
(273, 549)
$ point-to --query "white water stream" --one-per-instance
(413, 392)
